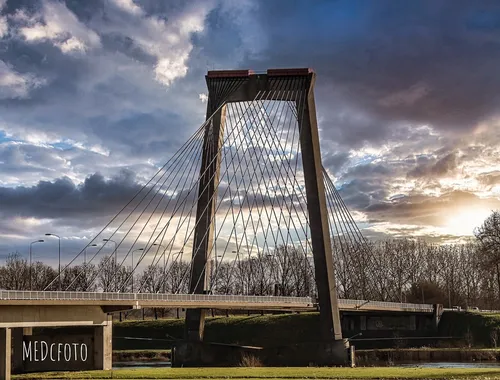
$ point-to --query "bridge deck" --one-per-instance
(160, 300)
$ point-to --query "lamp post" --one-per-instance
(85, 254)
(215, 272)
(161, 246)
(31, 245)
(114, 251)
(164, 264)
(116, 261)
(180, 253)
(85, 260)
(136, 250)
(59, 239)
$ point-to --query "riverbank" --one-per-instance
(254, 330)
(414, 355)
(141, 355)
(477, 330)
(376, 357)
(276, 373)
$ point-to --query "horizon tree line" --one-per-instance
(395, 270)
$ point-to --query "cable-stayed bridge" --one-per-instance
(242, 216)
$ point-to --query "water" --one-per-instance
(159, 364)
(451, 365)
(118, 365)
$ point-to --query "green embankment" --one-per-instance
(473, 329)
(477, 329)
(265, 331)
(141, 355)
(276, 373)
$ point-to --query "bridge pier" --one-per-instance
(103, 345)
(15, 322)
(5, 352)
(18, 334)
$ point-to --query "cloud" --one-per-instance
(428, 210)
(392, 65)
(14, 85)
(490, 178)
(4, 27)
(406, 97)
(407, 100)
(169, 42)
(430, 167)
(335, 162)
(57, 24)
(63, 198)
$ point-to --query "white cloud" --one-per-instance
(3, 21)
(3, 26)
(243, 14)
(168, 41)
(130, 7)
(203, 98)
(406, 97)
(14, 85)
(167, 69)
(59, 25)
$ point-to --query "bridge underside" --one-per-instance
(21, 310)
(18, 319)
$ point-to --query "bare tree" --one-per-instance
(14, 275)
(489, 237)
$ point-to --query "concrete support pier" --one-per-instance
(103, 345)
(5, 353)
(16, 333)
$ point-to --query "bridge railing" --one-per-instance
(389, 305)
(216, 298)
(74, 296)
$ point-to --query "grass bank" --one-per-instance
(477, 329)
(265, 331)
(473, 329)
(141, 355)
(406, 355)
(276, 373)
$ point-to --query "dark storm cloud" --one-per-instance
(428, 168)
(384, 69)
(378, 63)
(490, 179)
(107, 94)
(335, 162)
(427, 210)
(372, 171)
(360, 193)
(62, 198)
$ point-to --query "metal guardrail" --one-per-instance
(387, 305)
(95, 296)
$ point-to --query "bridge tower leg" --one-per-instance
(265, 85)
(318, 219)
(5, 353)
(207, 197)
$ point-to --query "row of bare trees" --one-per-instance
(402, 270)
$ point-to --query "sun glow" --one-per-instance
(463, 222)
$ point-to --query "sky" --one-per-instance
(95, 95)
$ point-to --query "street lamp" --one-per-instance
(164, 263)
(114, 251)
(215, 272)
(31, 245)
(136, 250)
(59, 238)
(116, 261)
(159, 245)
(85, 254)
